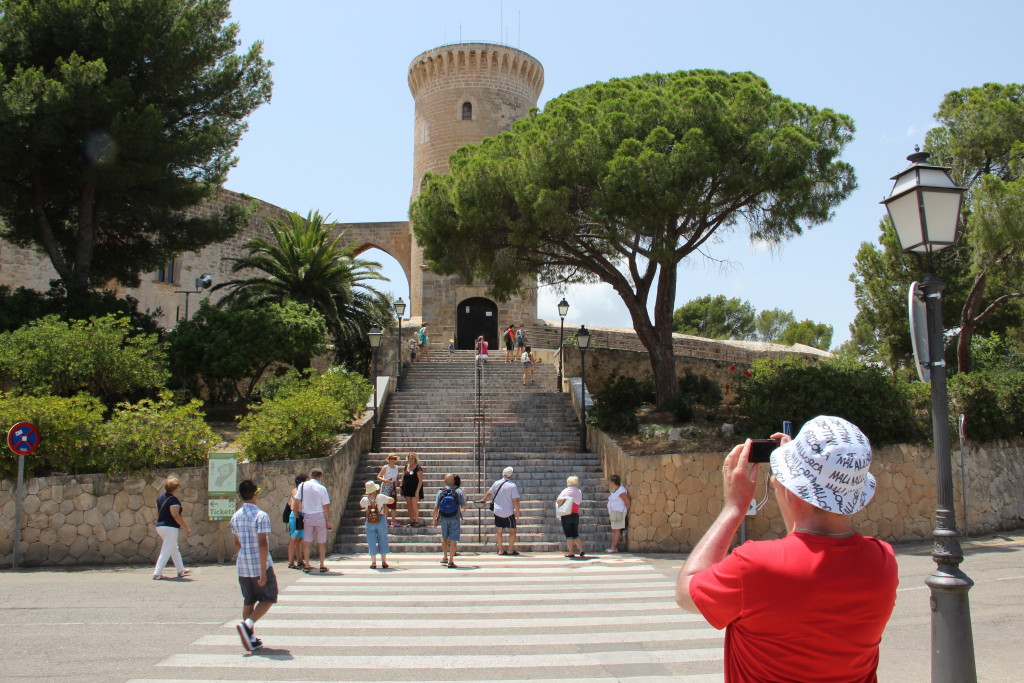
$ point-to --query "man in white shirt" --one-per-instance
(315, 505)
(506, 509)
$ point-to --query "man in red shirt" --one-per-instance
(810, 606)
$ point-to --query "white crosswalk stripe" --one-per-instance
(536, 619)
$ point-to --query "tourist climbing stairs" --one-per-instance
(474, 419)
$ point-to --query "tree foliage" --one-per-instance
(230, 349)
(115, 117)
(101, 356)
(715, 317)
(305, 262)
(620, 181)
(22, 306)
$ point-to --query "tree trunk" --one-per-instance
(657, 336)
(968, 322)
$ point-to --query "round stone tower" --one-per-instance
(464, 93)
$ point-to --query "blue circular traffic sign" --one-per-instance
(23, 438)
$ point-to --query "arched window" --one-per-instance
(467, 111)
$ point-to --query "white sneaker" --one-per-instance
(609, 550)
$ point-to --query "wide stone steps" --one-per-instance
(437, 415)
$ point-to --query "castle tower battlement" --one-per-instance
(465, 92)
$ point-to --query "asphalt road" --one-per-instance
(115, 624)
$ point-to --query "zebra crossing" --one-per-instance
(537, 618)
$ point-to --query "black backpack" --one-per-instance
(287, 513)
(448, 504)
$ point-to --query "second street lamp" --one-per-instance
(399, 311)
(375, 334)
(583, 342)
(563, 310)
(924, 206)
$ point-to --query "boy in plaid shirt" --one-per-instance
(251, 527)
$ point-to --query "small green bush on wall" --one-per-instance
(156, 434)
(615, 404)
(793, 389)
(69, 433)
(303, 419)
(992, 402)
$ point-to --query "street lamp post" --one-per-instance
(375, 334)
(563, 310)
(204, 281)
(924, 206)
(583, 342)
(399, 311)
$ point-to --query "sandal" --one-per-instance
(307, 569)
(383, 564)
(157, 577)
(183, 573)
(373, 566)
(292, 565)
(323, 569)
(569, 555)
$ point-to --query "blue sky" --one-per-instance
(337, 136)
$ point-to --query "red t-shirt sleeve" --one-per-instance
(718, 590)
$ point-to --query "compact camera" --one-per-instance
(761, 449)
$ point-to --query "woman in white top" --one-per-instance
(571, 521)
(618, 506)
(388, 476)
(376, 528)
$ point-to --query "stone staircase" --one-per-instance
(437, 415)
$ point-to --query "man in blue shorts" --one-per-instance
(449, 505)
(251, 528)
(506, 509)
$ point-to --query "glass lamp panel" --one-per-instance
(906, 217)
(942, 211)
(934, 177)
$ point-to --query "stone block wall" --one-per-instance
(677, 497)
(109, 519)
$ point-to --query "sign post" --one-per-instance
(222, 483)
(23, 439)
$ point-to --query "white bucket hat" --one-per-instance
(371, 486)
(827, 465)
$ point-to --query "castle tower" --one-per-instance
(465, 93)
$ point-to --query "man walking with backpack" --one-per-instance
(449, 505)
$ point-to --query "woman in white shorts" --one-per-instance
(618, 506)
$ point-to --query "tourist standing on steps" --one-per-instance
(388, 477)
(528, 363)
(315, 506)
(451, 350)
(297, 559)
(372, 505)
(413, 348)
(506, 508)
(618, 508)
(424, 343)
(169, 523)
(510, 340)
(810, 606)
(521, 339)
(412, 487)
(481, 348)
(449, 504)
(571, 520)
(251, 528)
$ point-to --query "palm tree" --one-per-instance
(302, 262)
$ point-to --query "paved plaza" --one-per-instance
(535, 617)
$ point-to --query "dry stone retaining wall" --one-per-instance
(677, 497)
(108, 519)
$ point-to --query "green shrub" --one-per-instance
(69, 431)
(156, 434)
(101, 356)
(304, 418)
(231, 348)
(695, 390)
(993, 403)
(21, 306)
(615, 405)
(794, 389)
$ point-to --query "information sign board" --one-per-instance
(222, 486)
